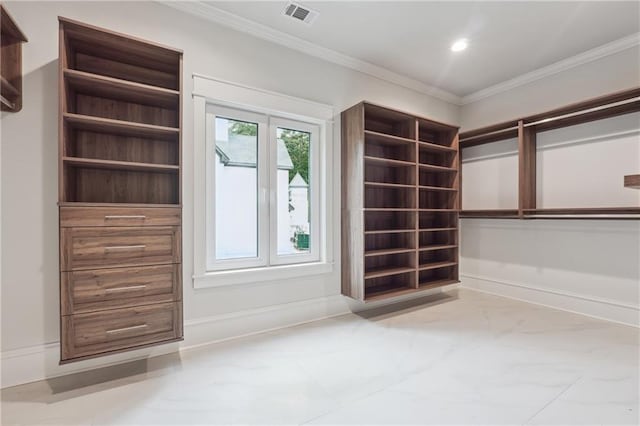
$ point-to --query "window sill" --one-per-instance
(259, 275)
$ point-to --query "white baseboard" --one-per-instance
(606, 309)
(41, 362)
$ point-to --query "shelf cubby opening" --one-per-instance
(398, 198)
(379, 266)
(438, 277)
(114, 185)
(435, 133)
(436, 199)
(382, 120)
(389, 221)
(86, 103)
(402, 152)
(377, 172)
(83, 143)
(389, 285)
(439, 238)
(432, 259)
(120, 57)
(389, 242)
(439, 180)
(441, 159)
(431, 220)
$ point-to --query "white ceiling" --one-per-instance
(412, 39)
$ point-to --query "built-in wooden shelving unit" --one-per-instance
(526, 129)
(11, 39)
(119, 192)
(632, 181)
(400, 203)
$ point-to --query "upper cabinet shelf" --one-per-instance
(11, 38)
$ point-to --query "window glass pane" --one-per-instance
(293, 191)
(236, 191)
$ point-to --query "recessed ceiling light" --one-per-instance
(459, 45)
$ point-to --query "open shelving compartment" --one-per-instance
(120, 166)
(408, 179)
(121, 119)
(528, 130)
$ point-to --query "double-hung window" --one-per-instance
(264, 190)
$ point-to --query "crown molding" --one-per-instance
(591, 55)
(255, 29)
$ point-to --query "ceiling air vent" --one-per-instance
(301, 13)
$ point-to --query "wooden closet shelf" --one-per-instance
(438, 210)
(120, 165)
(116, 205)
(434, 147)
(383, 252)
(388, 185)
(388, 209)
(388, 161)
(115, 88)
(584, 211)
(387, 292)
(389, 231)
(383, 272)
(434, 168)
(437, 229)
(119, 127)
(435, 265)
(436, 188)
(386, 139)
(632, 181)
(438, 247)
(496, 213)
(7, 88)
(424, 285)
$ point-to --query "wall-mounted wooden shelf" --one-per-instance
(526, 129)
(11, 39)
(400, 203)
(119, 192)
(632, 181)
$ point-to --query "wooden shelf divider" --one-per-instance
(10, 62)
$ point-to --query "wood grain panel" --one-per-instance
(119, 216)
(102, 332)
(90, 248)
(102, 289)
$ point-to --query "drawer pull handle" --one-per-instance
(131, 216)
(129, 288)
(136, 247)
(122, 330)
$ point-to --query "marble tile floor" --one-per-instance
(467, 358)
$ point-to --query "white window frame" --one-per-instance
(314, 189)
(262, 179)
(285, 111)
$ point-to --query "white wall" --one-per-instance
(29, 151)
(588, 266)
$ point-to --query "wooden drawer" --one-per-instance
(100, 289)
(98, 332)
(93, 248)
(120, 216)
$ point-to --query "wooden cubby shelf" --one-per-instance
(404, 188)
(526, 129)
(120, 172)
(11, 38)
(119, 127)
